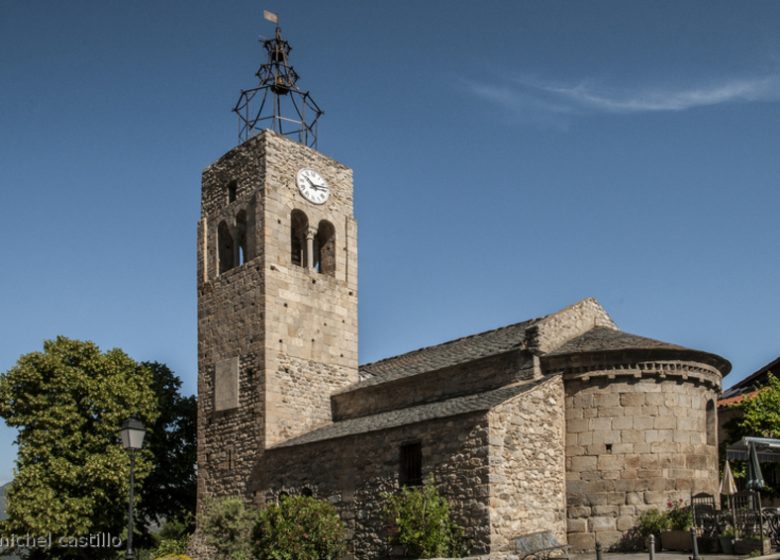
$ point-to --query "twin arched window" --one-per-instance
(310, 248)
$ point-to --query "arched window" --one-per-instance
(325, 248)
(225, 248)
(241, 238)
(299, 223)
(712, 424)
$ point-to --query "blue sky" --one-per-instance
(510, 158)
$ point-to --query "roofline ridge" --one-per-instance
(452, 341)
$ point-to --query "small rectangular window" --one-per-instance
(410, 473)
(232, 186)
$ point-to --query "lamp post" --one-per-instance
(132, 434)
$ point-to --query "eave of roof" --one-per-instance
(773, 366)
(610, 344)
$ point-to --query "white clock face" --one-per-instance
(312, 186)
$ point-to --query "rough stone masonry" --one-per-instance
(561, 423)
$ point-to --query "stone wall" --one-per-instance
(292, 330)
(230, 326)
(353, 472)
(527, 476)
(568, 323)
(633, 442)
(476, 376)
(311, 325)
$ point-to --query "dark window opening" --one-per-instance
(299, 223)
(307, 492)
(325, 249)
(411, 464)
(225, 248)
(231, 189)
(712, 424)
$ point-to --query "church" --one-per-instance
(562, 422)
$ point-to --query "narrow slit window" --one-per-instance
(231, 190)
(712, 424)
(241, 257)
(411, 464)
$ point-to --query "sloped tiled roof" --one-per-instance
(601, 340)
(421, 413)
(447, 354)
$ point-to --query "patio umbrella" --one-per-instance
(728, 488)
(755, 482)
(755, 478)
(727, 485)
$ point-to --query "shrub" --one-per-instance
(173, 537)
(227, 526)
(170, 549)
(173, 557)
(299, 528)
(652, 522)
(680, 516)
(423, 522)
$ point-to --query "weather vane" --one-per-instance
(277, 102)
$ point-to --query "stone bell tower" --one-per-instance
(277, 285)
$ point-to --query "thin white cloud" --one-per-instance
(524, 96)
(647, 100)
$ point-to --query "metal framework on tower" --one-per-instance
(277, 102)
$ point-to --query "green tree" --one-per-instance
(761, 412)
(760, 417)
(299, 528)
(68, 403)
(169, 492)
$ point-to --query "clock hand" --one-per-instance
(315, 185)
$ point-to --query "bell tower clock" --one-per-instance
(277, 296)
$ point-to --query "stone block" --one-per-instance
(666, 422)
(632, 399)
(606, 510)
(585, 463)
(610, 463)
(581, 541)
(609, 539)
(602, 523)
(578, 511)
(600, 424)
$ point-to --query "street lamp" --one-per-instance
(132, 434)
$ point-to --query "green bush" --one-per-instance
(227, 526)
(422, 522)
(299, 528)
(680, 516)
(652, 522)
(170, 548)
(174, 536)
